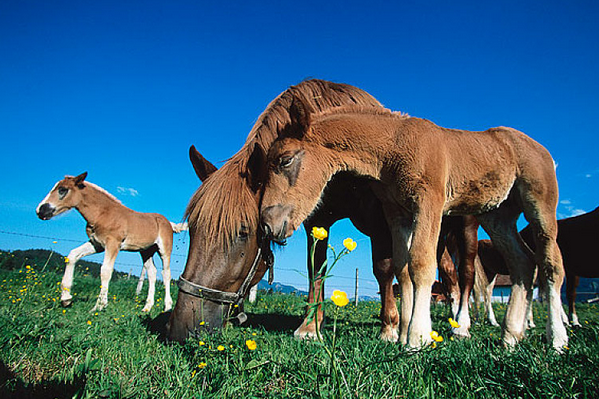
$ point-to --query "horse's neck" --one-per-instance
(95, 203)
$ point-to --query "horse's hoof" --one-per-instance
(66, 302)
(305, 335)
(146, 309)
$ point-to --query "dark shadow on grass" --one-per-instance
(157, 325)
(273, 321)
(12, 386)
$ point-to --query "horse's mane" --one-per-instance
(358, 109)
(225, 202)
(100, 189)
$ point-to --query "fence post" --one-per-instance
(356, 294)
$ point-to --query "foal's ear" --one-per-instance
(300, 113)
(257, 169)
(79, 179)
(201, 165)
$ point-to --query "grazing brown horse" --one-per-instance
(576, 238)
(422, 172)
(111, 227)
(227, 249)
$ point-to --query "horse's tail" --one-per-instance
(179, 227)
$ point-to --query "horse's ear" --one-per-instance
(201, 165)
(79, 179)
(257, 168)
(300, 113)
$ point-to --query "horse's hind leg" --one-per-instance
(541, 215)
(66, 298)
(501, 227)
(146, 256)
(165, 247)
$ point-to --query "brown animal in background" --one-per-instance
(423, 172)
(112, 227)
(576, 238)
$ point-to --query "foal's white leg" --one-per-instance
(423, 268)
(166, 279)
(140, 282)
(253, 293)
(112, 249)
(151, 269)
(501, 227)
(67, 280)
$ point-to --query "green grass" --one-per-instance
(47, 351)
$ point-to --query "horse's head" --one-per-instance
(297, 173)
(65, 194)
(225, 247)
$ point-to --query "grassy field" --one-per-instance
(48, 351)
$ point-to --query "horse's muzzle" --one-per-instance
(45, 212)
(275, 222)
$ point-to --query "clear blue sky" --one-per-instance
(121, 89)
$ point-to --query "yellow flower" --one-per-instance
(202, 323)
(339, 298)
(350, 244)
(89, 323)
(202, 365)
(454, 323)
(251, 344)
(201, 343)
(220, 348)
(66, 260)
(319, 233)
(436, 337)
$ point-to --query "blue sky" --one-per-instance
(122, 89)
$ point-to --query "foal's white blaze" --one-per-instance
(45, 200)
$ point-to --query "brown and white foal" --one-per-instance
(111, 227)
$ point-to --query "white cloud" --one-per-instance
(588, 175)
(128, 191)
(565, 202)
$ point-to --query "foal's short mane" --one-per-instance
(225, 202)
(358, 109)
(100, 189)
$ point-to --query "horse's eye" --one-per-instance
(243, 234)
(285, 162)
(62, 192)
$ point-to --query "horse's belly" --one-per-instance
(478, 196)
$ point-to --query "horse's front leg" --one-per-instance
(423, 267)
(112, 249)
(66, 298)
(314, 317)
(401, 234)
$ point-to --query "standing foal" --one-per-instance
(111, 227)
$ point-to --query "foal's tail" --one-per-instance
(179, 227)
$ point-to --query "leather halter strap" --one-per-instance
(225, 297)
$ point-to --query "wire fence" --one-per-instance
(367, 286)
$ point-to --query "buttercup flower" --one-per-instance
(202, 365)
(220, 348)
(251, 344)
(320, 233)
(454, 323)
(350, 244)
(339, 298)
(436, 337)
